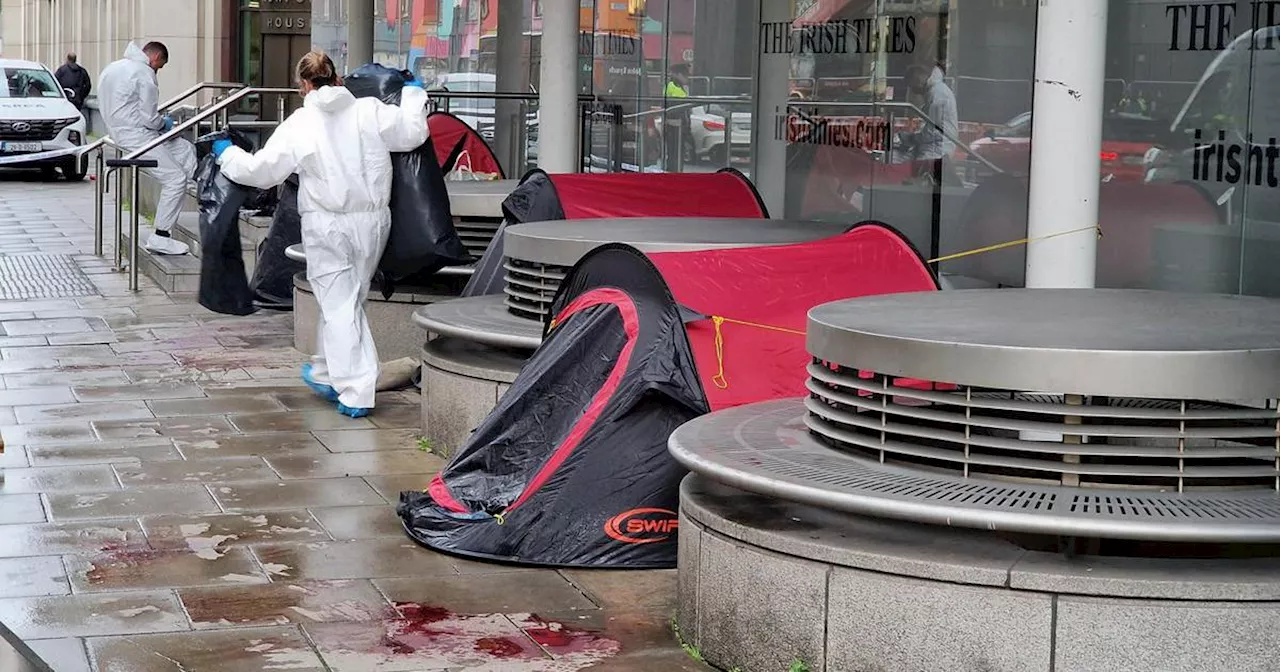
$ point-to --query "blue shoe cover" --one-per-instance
(352, 412)
(325, 392)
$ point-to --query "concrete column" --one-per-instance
(512, 76)
(769, 167)
(558, 94)
(359, 33)
(1071, 46)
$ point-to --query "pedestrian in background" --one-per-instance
(75, 78)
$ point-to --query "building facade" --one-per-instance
(197, 33)
(831, 106)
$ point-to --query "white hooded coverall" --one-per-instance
(128, 96)
(340, 147)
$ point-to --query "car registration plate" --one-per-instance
(21, 146)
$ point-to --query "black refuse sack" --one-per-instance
(422, 239)
(224, 287)
(273, 276)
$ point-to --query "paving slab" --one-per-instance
(174, 498)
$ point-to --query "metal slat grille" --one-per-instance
(531, 287)
(476, 233)
(1060, 439)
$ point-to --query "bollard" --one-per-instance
(134, 209)
(119, 223)
(98, 203)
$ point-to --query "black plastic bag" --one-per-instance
(224, 287)
(423, 239)
(273, 276)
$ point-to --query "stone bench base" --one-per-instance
(390, 320)
(461, 384)
(764, 582)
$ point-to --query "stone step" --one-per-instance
(173, 274)
(187, 230)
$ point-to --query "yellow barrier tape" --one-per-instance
(1012, 243)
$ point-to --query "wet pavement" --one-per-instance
(174, 499)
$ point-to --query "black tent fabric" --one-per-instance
(571, 469)
(535, 200)
(272, 282)
(224, 286)
(423, 239)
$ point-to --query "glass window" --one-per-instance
(675, 82)
(914, 113)
(31, 83)
(1190, 199)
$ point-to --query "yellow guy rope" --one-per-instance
(719, 320)
(1012, 243)
(722, 382)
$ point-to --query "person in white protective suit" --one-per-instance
(340, 147)
(128, 96)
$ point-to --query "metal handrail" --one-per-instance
(204, 114)
(177, 131)
(190, 91)
(901, 105)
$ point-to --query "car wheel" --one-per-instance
(48, 173)
(75, 169)
(718, 155)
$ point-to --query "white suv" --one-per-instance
(36, 115)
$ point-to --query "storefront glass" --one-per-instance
(640, 59)
(914, 113)
(1193, 198)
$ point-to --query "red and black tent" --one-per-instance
(460, 148)
(571, 468)
(543, 197)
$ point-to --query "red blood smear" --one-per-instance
(499, 647)
(422, 613)
(564, 638)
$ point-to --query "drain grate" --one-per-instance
(42, 276)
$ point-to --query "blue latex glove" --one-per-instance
(168, 123)
(414, 82)
(220, 146)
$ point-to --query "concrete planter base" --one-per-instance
(461, 384)
(764, 582)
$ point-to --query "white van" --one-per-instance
(36, 115)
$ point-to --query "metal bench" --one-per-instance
(1134, 441)
(1076, 492)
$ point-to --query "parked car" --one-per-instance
(36, 115)
(478, 113)
(707, 127)
(1126, 139)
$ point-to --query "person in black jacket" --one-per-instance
(72, 76)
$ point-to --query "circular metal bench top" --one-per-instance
(765, 448)
(563, 243)
(1127, 343)
(484, 319)
(295, 253)
(479, 198)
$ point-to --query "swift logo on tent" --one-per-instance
(642, 526)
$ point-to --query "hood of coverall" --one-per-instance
(330, 99)
(135, 53)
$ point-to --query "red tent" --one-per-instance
(571, 468)
(763, 295)
(460, 148)
(544, 197)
